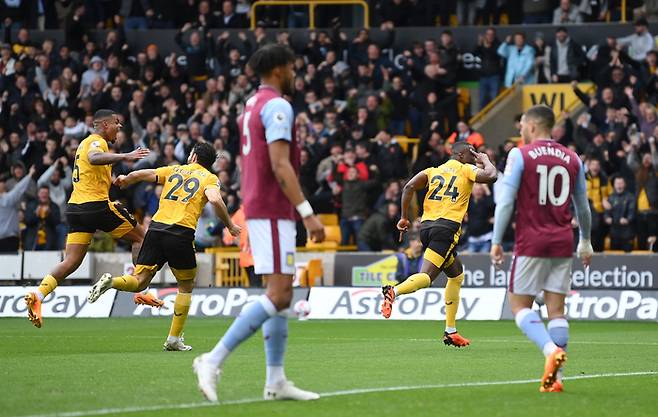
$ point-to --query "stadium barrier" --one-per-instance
(636, 272)
(477, 304)
(71, 301)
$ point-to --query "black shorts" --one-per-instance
(161, 247)
(85, 218)
(441, 236)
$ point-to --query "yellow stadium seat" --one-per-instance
(463, 102)
(330, 219)
(228, 272)
(312, 273)
(332, 234)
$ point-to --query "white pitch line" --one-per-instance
(187, 406)
(360, 339)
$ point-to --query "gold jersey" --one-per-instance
(183, 196)
(90, 182)
(449, 191)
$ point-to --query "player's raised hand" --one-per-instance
(137, 154)
(585, 252)
(234, 230)
(480, 157)
(497, 256)
(315, 228)
(403, 227)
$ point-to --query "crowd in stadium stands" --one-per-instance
(350, 101)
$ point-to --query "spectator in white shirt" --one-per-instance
(639, 43)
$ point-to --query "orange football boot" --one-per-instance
(455, 339)
(147, 299)
(389, 299)
(34, 309)
(557, 387)
(554, 362)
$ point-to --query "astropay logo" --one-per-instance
(204, 303)
(427, 304)
(63, 302)
(613, 305)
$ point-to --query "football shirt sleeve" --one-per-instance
(510, 185)
(97, 146)
(211, 182)
(277, 117)
(470, 171)
(162, 173)
(581, 205)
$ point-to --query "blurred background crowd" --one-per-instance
(350, 102)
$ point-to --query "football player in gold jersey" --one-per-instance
(446, 201)
(89, 208)
(170, 237)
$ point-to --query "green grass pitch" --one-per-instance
(79, 367)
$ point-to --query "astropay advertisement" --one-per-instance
(63, 302)
(426, 304)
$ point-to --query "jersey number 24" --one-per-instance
(451, 191)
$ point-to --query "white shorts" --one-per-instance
(273, 245)
(531, 275)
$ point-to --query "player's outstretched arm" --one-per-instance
(215, 198)
(109, 158)
(148, 175)
(280, 159)
(488, 174)
(417, 183)
(584, 218)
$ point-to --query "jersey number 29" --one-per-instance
(190, 186)
(547, 189)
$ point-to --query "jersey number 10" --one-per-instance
(547, 180)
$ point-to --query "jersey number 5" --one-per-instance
(246, 148)
(191, 186)
(547, 185)
(451, 191)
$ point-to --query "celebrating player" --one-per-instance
(170, 237)
(446, 201)
(89, 208)
(271, 192)
(541, 176)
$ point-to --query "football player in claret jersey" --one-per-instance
(543, 177)
(271, 197)
(89, 208)
(170, 237)
(446, 201)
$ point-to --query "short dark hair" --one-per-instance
(205, 154)
(103, 114)
(542, 115)
(270, 56)
(460, 146)
(561, 29)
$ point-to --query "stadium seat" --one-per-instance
(463, 103)
(331, 240)
(228, 272)
(328, 219)
(310, 274)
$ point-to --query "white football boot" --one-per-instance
(207, 377)
(176, 344)
(286, 390)
(99, 288)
